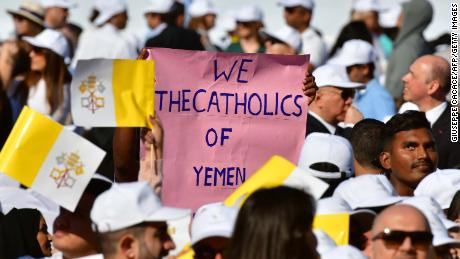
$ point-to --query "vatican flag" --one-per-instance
(112, 93)
(277, 171)
(42, 155)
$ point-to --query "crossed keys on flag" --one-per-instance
(67, 163)
(91, 86)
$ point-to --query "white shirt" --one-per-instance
(37, 98)
(314, 45)
(104, 42)
(331, 128)
(433, 115)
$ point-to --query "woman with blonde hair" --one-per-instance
(45, 88)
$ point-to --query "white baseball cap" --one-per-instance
(366, 5)
(249, 13)
(128, 204)
(373, 192)
(354, 52)
(440, 185)
(344, 252)
(58, 3)
(431, 205)
(334, 75)
(159, 6)
(308, 4)
(201, 8)
(107, 9)
(52, 40)
(388, 18)
(213, 220)
(362, 218)
(328, 148)
(289, 36)
(427, 206)
(228, 21)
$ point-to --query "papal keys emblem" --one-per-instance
(92, 89)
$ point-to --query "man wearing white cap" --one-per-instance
(426, 84)
(202, 20)
(401, 231)
(358, 57)
(131, 222)
(107, 40)
(164, 18)
(327, 157)
(367, 11)
(211, 230)
(56, 12)
(285, 41)
(298, 14)
(333, 100)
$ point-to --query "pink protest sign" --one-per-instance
(225, 115)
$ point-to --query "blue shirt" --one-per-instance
(375, 102)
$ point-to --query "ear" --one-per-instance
(127, 246)
(385, 160)
(434, 87)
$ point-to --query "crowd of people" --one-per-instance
(378, 132)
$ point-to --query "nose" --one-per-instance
(404, 78)
(169, 244)
(407, 245)
(422, 153)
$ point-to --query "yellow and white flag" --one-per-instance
(275, 172)
(112, 93)
(42, 155)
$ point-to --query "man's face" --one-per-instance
(153, 20)
(359, 73)
(157, 242)
(407, 248)
(416, 83)
(334, 103)
(73, 235)
(412, 156)
(56, 17)
(297, 17)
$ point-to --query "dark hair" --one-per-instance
(94, 14)
(274, 223)
(454, 208)
(409, 120)
(352, 30)
(366, 139)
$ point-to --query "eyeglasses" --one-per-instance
(396, 237)
(344, 93)
(206, 252)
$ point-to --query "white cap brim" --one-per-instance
(445, 240)
(344, 85)
(212, 233)
(386, 201)
(167, 213)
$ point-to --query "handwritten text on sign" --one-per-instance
(224, 115)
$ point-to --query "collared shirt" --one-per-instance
(331, 128)
(375, 102)
(433, 115)
(313, 44)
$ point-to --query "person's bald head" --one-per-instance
(438, 69)
(399, 218)
(428, 78)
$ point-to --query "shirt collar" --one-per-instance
(331, 128)
(433, 115)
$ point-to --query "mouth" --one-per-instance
(425, 166)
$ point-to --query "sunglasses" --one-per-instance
(245, 24)
(395, 238)
(206, 252)
(344, 93)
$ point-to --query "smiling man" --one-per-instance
(409, 151)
